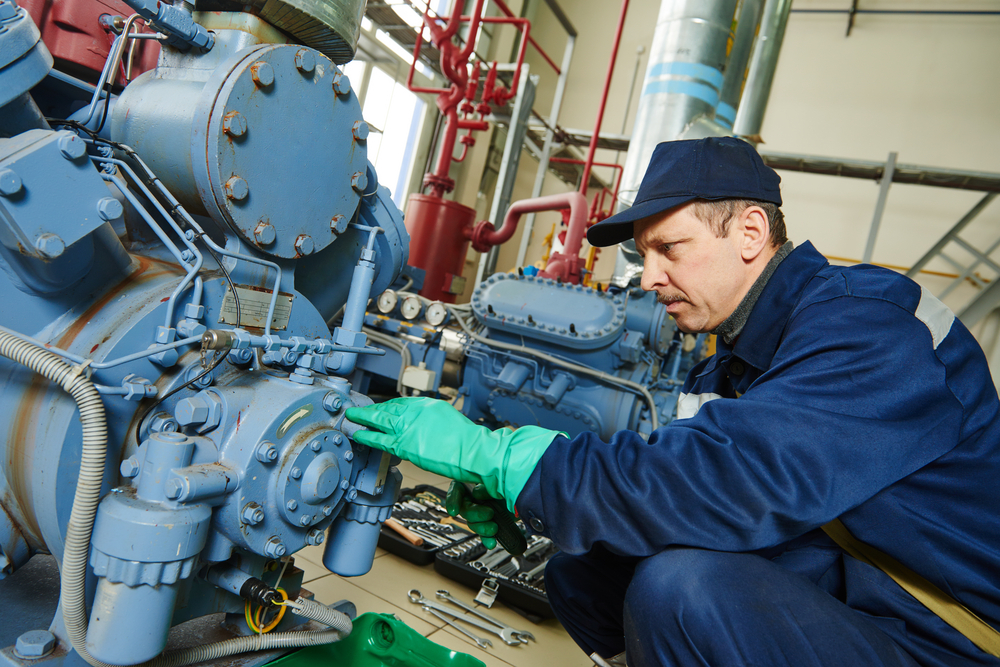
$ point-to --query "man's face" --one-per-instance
(699, 277)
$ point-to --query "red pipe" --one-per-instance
(506, 10)
(610, 165)
(604, 99)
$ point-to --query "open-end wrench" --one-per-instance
(506, 634)
(482, 643)
(445, 595)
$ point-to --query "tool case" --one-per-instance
(422, 508)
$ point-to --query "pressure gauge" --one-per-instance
(387, 302)
(411, 308)
(436, 314)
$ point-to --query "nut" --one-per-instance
(193, 410)
(266, 453)
(236, 188)
(274, 548)
(174, 488)
(234, 124)
(262, 74)
(110, 209)
(304, 245)
(315, 537)
(129, 467)
(50, 245)
(333, 401)
(338, 224)
(305, 61)
(35, 644)
(252, 514)
(71, 146)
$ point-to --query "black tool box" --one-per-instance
(519, 580)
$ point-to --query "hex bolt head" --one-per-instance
(304, 521)
(264, 233)
(337, 439)
(162, 422)
(266, 453)
(193, 410)
(262, 74)
(35, 644)
(10, 183)
(71, 146)
(305, 61)
(292, 505)
(50, 245)
(327, 509)
(359, 181)
(236, 188)
(352, 494)
(129, 467)
(173, 488)
(360, 130)
(110, 209)
(348, 456)
(234, 124)
(344, 485)
(315, 537)
(252, 514)
(341, 84)
(333, 402)
(338, 224)
(274, 548)
(304, 245)
(315, 446)
(296, 473)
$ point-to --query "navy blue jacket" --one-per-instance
(851, 392)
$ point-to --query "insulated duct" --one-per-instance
(763, 62)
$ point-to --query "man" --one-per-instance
(835, 392)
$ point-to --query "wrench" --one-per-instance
(445, 595)
(506, 634)
(480, 642)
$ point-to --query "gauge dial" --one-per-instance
(411, 308)
(436, 314)
(387, 301)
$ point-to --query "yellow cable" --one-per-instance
(246, 614)
(281, 613)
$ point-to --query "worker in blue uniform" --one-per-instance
(828, 494)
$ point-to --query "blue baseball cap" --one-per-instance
(682, 171)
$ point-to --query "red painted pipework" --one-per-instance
(604, 99)
(610, 165)
(506, 10)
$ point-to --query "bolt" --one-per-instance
(50, 245)
(162, 422)
(328, 510)
(291, 505)
(110, 209)
(262, 74)
(10, 183)
(266, 453)
(237, 189)
(174, 488)
(359, 181)
(344, 484)
(274, 548)
(314, 537)
(315, 446)
(129, 467)
(360, 130)
(305, 61)
(337, 439)
(252, 514)
(304, 521)
(348, 456)
(35, 644)
(333, 402)
(304, 245)
(295, 473)
(352, 494)
(234, 124)
(338, 224)
(263, 233)
(193, 410)
(71, 146)
(341, 84)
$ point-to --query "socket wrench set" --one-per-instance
(519, 581)
(420, 526)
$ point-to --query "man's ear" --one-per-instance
(756, 230)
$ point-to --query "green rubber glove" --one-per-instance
(480, 517)
(437, 437)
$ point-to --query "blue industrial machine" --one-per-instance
(173, 398)
(532, 350)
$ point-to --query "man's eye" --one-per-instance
(666, 247)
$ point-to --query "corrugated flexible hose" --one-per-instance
(81, 524)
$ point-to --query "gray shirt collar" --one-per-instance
(733, 325)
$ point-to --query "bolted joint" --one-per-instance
(203, 410)
(50, 246)
(35, 644)
(252, 514)
(129, 467)
(234, 124)
(315, 537)
(274, 547)
(10, 183)
(341, 84)
(71, 146)
(338, 224)
(110, 209)
(162, 422)
(266, 452)
(359, 181)
(305, 61)
(262, 74)
(236, 188)
(304, 245)
(264, 233)
(360, 130)
(333, 401)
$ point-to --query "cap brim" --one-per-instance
(619, 228)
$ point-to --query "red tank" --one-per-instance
(439, 242)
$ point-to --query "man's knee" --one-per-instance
(688, 582)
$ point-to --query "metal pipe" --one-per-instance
(484, 236)
(747, 24)
(604, 99)
(763, 61)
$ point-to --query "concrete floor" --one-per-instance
(384, 590)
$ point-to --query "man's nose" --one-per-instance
(652, 276)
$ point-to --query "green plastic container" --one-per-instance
(379, 640)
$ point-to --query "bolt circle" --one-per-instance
(237, 188)
(262, 74)
(305, 61)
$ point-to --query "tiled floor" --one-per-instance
(384, 590)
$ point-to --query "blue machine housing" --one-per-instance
(608, 336)
(122, 258)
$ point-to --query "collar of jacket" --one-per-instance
(759, 339)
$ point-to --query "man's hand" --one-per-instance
(437, 437)
(480, 517)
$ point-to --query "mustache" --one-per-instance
(667, 299)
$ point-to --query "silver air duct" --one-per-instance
(763, 62)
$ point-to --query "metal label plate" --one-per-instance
(254, 302)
